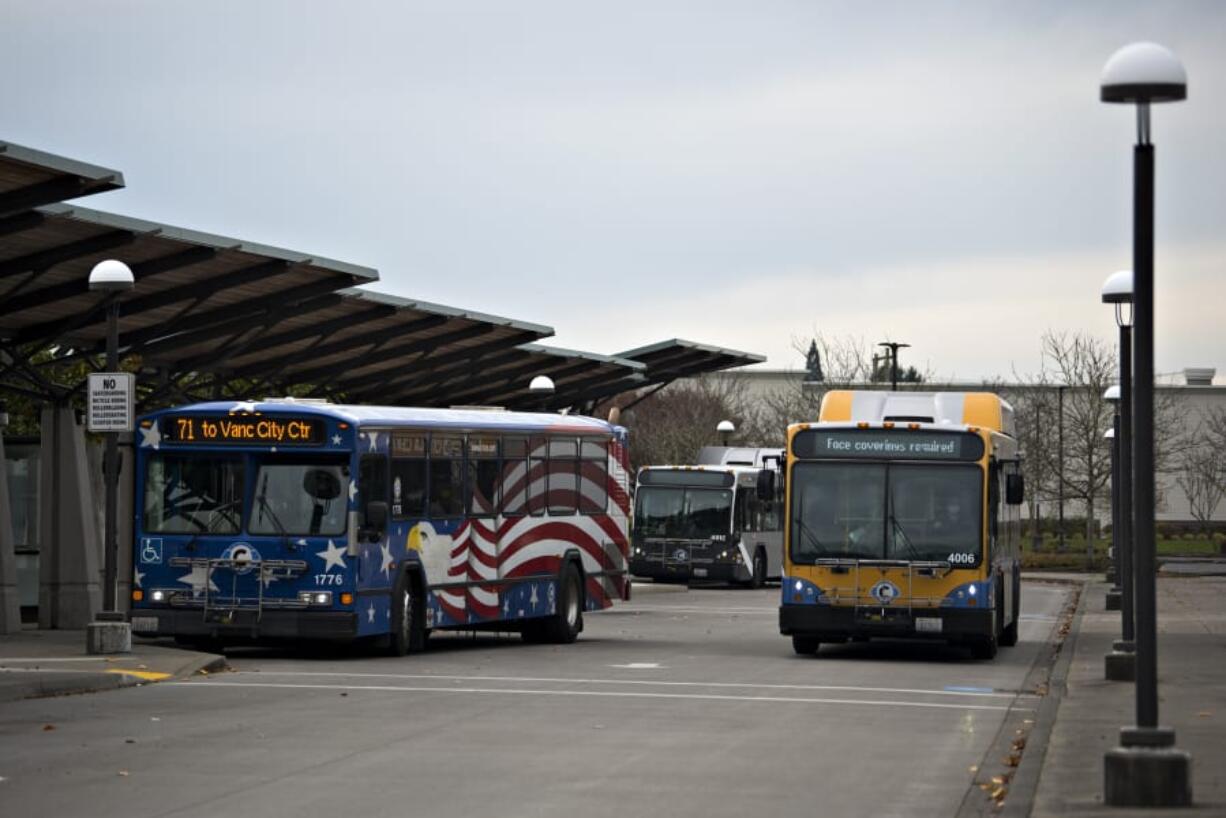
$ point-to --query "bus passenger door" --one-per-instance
(375, 564)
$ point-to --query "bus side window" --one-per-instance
(993, 500)
(593, 476)
(514, 489)
(446, 476)
(563, 475)
(482, 479)
(538, 475)
(408, 475)
(372, 483)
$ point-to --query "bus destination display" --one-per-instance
(251, 430)
(887, 444)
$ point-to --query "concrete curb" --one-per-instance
(1025, 783)
(43, 683)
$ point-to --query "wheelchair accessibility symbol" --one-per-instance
(151, 550)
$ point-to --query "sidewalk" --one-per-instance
(37, 663)
(1191, 690)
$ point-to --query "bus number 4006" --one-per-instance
(328, 579)
(961, 559)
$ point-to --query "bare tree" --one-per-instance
(1202, 472)
(670, 425)
(1082, 367)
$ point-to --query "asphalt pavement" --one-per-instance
(686, 694)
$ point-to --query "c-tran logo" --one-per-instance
(885, 592)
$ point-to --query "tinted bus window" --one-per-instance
(446, 476)
(538, 469)
(593, 477)
(514, 476)
(563, 479)
(408, 475)
(483, 471)
(372, 483)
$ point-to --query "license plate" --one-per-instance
(145, 623)
(700, 572)
(928, 624)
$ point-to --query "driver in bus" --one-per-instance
(950, 518)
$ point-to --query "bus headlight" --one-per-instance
(159, 595)
(315, 597)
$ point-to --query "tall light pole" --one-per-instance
(1060, 460)
(1112, 438)
(893, 347)
(1121, 662)
(725, 428)
(1146, 769)
(109, 633)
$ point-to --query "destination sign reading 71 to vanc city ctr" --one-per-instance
(257, 430)
(887, 444)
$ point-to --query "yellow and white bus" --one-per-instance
(903, 520)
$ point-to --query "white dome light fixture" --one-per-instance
(111, 276)
(1144, 73)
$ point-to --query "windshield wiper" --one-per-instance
(901, 533)
(262, 499)
(808, 532)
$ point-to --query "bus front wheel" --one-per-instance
(759, 570)
(408, 623)
(805, 645)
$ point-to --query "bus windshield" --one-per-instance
(682, 512)
(896, 511)
(300, 496)
(193, 494)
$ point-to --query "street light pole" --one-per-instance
(1121, 662)
(1060, 460)
(893, 347)
(1146, 769)
(109, 632)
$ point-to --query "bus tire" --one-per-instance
(805, 645)
(408, 621)
(1008, 635)
(759, 569)
(563, 627)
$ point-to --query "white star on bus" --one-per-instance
(333, 556)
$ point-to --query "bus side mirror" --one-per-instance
(1015, 489)
(766, 485)
(376, 518)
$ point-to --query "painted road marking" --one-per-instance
(591, 693)
(637, 682)
(640, 666)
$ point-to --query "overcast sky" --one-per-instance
(741, 174)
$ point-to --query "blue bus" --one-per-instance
(294, 519)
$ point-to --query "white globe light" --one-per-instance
(541, 383)
(725, 426)
(1144, 72)
(1117, 289)
(111, 275)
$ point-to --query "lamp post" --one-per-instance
(1146, 769)
(893, 347)
(1113, 569)
(109, 633)
(725, 429)
(1060, 461)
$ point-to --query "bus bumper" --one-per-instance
(190, 622)
(830, 623)
(687, 571)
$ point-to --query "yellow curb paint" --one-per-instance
(147, 675)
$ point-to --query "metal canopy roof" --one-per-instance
(186, 280)
(364, 345)
(668, 360)
(30, 178)
(502, 378)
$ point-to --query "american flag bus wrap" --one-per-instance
(290, 519)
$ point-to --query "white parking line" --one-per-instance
(213, 685)
(691, 609)
(638, 682)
